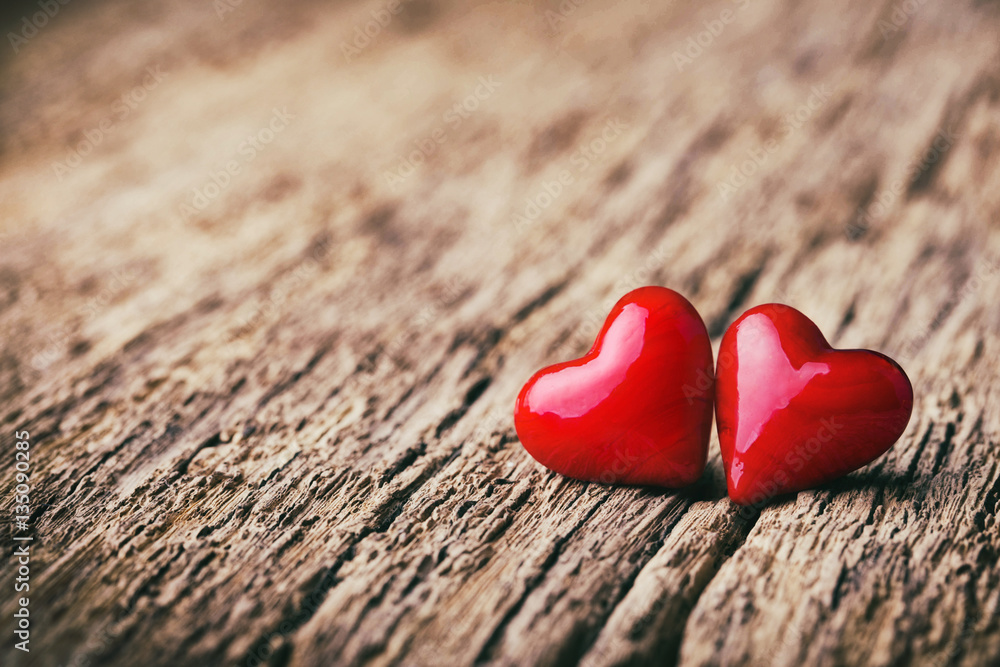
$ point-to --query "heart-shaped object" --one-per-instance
(637, 408)
(793, 412)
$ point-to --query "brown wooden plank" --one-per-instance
(277, 429)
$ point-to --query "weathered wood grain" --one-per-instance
(270, 404)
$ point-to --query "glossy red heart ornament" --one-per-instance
(637, 408)
(793, 412)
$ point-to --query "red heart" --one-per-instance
(794, 412)
(637, 408)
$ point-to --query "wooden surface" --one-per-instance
(275, 427)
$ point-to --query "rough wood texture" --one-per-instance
(275, 428)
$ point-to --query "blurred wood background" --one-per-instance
(273, 273)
